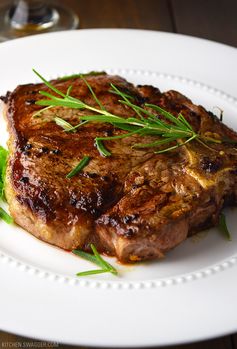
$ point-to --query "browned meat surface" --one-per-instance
(134, 205)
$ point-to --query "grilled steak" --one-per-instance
(134, 205)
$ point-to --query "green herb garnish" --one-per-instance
(150, 120)
(101, 148)
(5, 216)
(223, 227)
(96, 259)
(79, 167)
(63, 123)
(75, 76)
(3, 163)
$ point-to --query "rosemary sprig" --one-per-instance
(150, 120)
(96, 259)
(79, 167)
(223, 227)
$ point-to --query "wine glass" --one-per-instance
(27, 17)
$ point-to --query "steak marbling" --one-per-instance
(134, 205)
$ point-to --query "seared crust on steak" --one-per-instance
(134, 205)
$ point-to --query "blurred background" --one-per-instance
(210, 19)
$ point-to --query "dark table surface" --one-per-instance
(209, 19)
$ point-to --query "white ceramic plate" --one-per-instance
(188, 296)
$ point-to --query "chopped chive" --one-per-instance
(79, 167)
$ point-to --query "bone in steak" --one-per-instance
(134, 205)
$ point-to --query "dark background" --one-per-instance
(209, 19)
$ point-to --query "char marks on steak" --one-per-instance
(134, 205)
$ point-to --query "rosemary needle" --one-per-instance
(75, 76)
(5, 216)
(63, 123)
(101, 148)
(96, 259)
(3, 163)
(91, 272)
(79, 167)
(223, 226)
